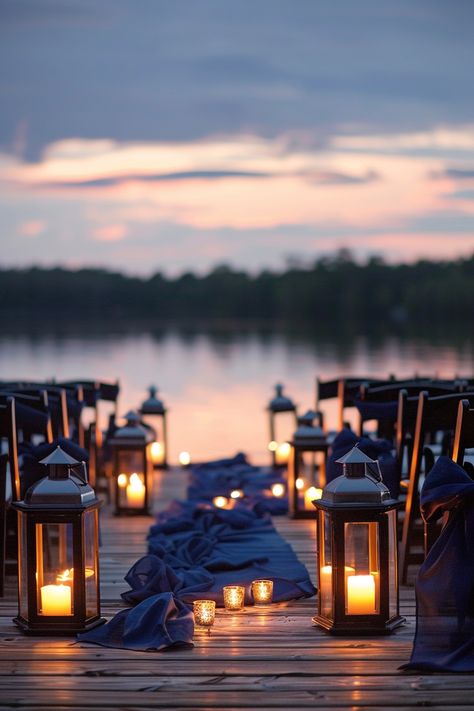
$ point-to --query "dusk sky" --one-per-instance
(167, 135)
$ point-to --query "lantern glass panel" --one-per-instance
(362, 568)
(392, 563)
(284, 426)
(130, 461)
(90, 560)
(22, 568)
(54, 563)
(325, 566)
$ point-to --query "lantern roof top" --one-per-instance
(308, 433)
(62, 488)
(153, 405)
(133, 432)
(359, 486)
(281, 403)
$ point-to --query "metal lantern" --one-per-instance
(131, 467)
(155, 411)
(306, 466)
(58, 560)
(357, 551)
(282, 420)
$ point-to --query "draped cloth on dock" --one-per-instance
(194, 549)
(444, 639)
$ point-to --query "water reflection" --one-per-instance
(217, 381)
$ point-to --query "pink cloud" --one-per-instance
(31, 228)
(110, 233)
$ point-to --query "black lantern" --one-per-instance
(357, 551)
(155, 411)
(58, 561)
(282, 420)
(306, 467)
(131, 467)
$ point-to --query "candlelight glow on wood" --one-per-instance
(278, 490)
(157, 453)
(56, 600)
(262, 591)
(234, 596)
(311, 495)
(184, 459)
(204, 613)
(361, 595)
(135, 492)
(221, 502)
(236, 494)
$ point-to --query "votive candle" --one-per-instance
(262, 591)
(234, 596)
(204, 612)
(56, 600)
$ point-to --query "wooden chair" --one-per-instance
(9, 487)
(29, 402)
(345, 390)
(434, 415)
(388, 394)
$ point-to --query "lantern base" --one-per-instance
(51, 630)
(348, 630)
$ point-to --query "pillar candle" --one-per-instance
(360, 595)
(56, 600)
(310, 495)
(135, 492)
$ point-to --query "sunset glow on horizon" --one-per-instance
(258, 153)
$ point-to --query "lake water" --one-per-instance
(217, 384)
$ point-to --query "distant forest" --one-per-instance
(333, 291)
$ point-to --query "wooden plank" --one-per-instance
(261, 658)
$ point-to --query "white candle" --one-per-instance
(310, 495)
(135, 492)
(56, 600)
(184, 459)
(360, 595)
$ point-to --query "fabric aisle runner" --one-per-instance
(194, 549)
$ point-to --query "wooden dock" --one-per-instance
(268, 658)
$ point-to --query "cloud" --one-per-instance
(454, 173)
(110, 233)
(157, 178)
(31, 228)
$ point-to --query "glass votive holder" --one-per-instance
(204, 613)
(262, 592)
(234, 596)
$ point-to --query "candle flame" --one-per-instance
(122, 480)
(278, 490)
(236, 494)
(299, 483)
(184, 459)
(273, 446)
(220, 501)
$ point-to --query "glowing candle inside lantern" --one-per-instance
(56, 600)
(204, 612)
(184, 459)
(282, 453)
(360, 595)
(135, 492)
(299, 483)
(233, 597)
(310, 495)
(236, 494)
(326, 575)
(278, 490)
(157, 453)
(221, 502)
(122, 480)
(262, 591)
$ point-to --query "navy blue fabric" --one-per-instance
(207, 548)
(444, 639)
(158, 622)
(220, 477)
(379, 449)
(194, 549)
(32, 470)
(383, 411)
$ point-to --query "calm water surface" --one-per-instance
(216, 386)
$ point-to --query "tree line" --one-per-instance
(333, 290)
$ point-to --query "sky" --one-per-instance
(175, 135)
